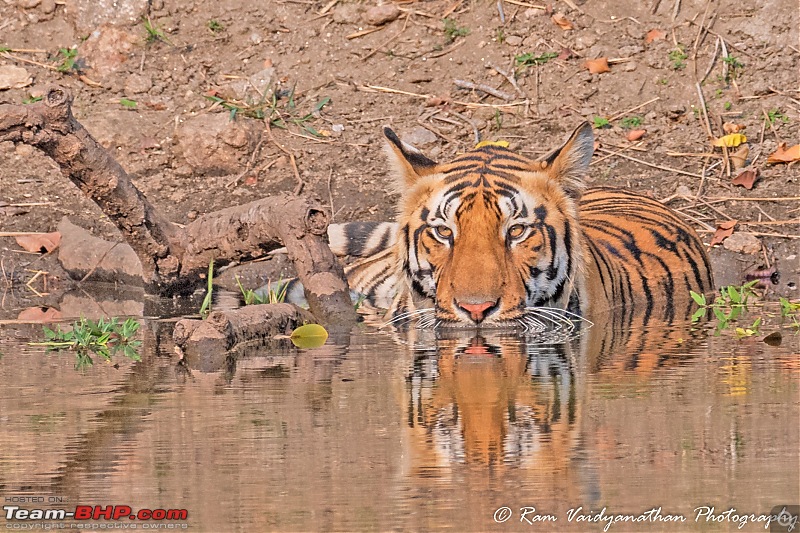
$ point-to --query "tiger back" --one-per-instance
(494, 237)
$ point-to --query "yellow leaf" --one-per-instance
(503, 144)
(731, 140)
(309, 336)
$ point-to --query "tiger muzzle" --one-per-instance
(478, 311)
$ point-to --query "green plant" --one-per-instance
(452, 30)
(205, 308)
(360, 301)
(271, 108)
(734, 66)
(498, 119)
(718, 93)
(274, 295)
(68, 58)
(727, 307)
(105, 338)
(529, 59)
(31, 100)
(130, 104)
(775, 114)
(215, 26)
(678, 57)
(631, 122)
(727, 106)
(500, 35)
(154, 33)
(750, 330)
(600, 122)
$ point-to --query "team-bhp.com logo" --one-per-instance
(97, 512)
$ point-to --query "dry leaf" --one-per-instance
(598, 66)
(724, 230)
(40, 243)
(654, 35)
(565, 54)
(39, 314)
(596, 145)
(562, 21)
(635, 135)
(746, 179)
(739, 157)
(785, 155)
(730, 127)
(731, 140)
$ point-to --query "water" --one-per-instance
(380, 432)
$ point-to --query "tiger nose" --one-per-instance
(477, 311)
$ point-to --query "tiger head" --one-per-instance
(491, 234)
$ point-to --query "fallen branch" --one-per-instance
(174, 258)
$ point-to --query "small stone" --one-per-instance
(14, 77)
(420, 137)
(513, 40)
(683, 190)
(28, 4)
(138, 83)
(630, 66)
(742, 243)
(23, 150)
(380, 15)
(106, 49)
(48, 6)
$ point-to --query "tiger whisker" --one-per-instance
(408, 315)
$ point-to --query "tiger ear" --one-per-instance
(407, 160)
(569, 164)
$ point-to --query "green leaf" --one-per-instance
(719, 314)
(698, 314)
(322, 103)
(130, 104)
(699, 299)
(734, 295)
(309, 336)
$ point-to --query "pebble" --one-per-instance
(379, 15)
(347, 14)
(742, 243)
(513, 40)
(420, 137)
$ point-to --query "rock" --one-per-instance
(14, 77)
(253, 88)
(513, 40)
(48, 6)
(80, 252)
(347, 14)
(106, 50)
(683, 190)
(89, 14)
(742, 243)
(379, 15)
(213, 145)
(138, 83)
(420, 137)
(630, 66)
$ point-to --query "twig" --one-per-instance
(631, 110)
(676, 9)
(446, 51)
(713, 60)
(463, 84)
(771, 127)
(705, 112)
(388, 41)
(362, 33)
(471, 123)
(328, 7)
(510, 77)
(692, 154)
(330, 194)
(300, 183)
(500, 11)
(8, 56)
(753, 199)
(525, 4)
(758, 234)
(668, 169)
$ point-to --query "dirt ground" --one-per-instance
(155, 82)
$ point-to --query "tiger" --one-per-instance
(494, 238)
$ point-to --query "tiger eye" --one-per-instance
(516, 231)
(443, 232)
